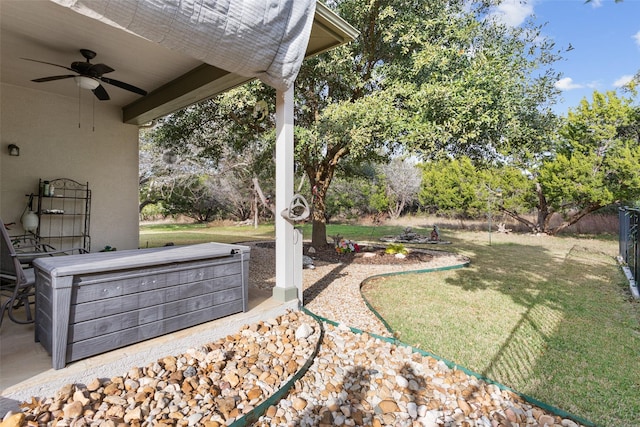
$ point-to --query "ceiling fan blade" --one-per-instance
(123, 85)
(101, 93)
(99, 69)
(48, 79)
(49, 63)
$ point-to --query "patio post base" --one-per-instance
(285, 294)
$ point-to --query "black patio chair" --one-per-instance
(17, 278)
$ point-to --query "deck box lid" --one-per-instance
(136, 258)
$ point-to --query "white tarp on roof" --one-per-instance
(266, 39)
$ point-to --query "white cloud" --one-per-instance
(636, 37)
(623, 81)
(513, 12)
(596, 3)
(567, 84)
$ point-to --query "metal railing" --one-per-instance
(630, 239)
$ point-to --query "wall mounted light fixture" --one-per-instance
(14, 150)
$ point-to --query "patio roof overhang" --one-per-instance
(47, 31)
(328, 31)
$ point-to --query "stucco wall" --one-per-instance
(102, 151)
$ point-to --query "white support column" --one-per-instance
(286, 288)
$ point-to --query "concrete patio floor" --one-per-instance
(26, 371)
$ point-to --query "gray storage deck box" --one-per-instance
(93, 303)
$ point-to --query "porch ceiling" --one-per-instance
(43, 30)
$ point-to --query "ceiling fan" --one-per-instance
(89, 76)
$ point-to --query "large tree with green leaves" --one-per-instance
(432, 76)
(457, 187)
(593, 162)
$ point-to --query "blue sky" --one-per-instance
(604, 35)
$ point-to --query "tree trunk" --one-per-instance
(530, 225)
(319, 234)
(544, 213)
(319, 230)
(396, 208)
(147, 202)
(266, 203)
(542, 219)
(320, 176)
(254, 207)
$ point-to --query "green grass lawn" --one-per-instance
(182, 234)
(550, 317)
(186, 234)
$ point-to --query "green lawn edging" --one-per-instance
(260, 410)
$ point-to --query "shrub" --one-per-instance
(396, 248)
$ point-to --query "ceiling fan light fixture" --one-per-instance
(86, 82)
(89, 76)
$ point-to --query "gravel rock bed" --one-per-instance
(212, 385)
(332, 288)
(355, 379)
(359, 380)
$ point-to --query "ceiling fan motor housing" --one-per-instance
(89, 54)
